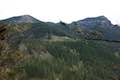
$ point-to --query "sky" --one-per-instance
(61, 10)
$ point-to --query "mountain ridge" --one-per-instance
(21, 19)
(27, 16)
(90, 28)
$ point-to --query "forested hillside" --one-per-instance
(36, 50)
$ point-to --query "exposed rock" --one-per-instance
(21, 19)
(100, 21)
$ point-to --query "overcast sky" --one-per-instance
(65, 10)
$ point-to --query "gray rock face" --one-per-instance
(100, 21)
(21, 19)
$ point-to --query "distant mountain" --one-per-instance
(100, 25)
(89, 28)
(21, 19)
(93, 22)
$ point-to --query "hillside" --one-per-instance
(87, 49)
(89, 28)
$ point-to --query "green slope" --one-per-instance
(71, 60)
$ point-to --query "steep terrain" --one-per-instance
(87, 49)
(100, 25)
(89, 28)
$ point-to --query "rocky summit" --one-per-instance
(21, 19)
(89, 28)
(94, 22)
